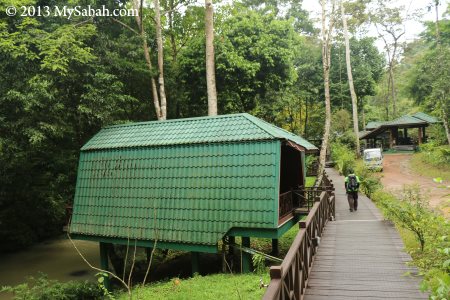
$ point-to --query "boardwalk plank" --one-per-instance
(360, 256)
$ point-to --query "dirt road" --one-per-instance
(397, 172)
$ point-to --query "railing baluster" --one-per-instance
(288, 281)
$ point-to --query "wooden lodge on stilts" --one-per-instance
(189, 183)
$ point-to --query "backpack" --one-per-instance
(352, 183)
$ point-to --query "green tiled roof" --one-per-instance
(373, 124)
(425, 117)
(224, 128)
(190, 193)
(404, 120)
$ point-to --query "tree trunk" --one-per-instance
(162, 91)
(363, 114)
(350, 81)
(305, 132)
(326, 62)
(172, 34)
(445, 119)
(394, 101)
(443, 100)
(148, 60)
(210, 68)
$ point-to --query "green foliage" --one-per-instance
(42, 289)
(411, 212)
(254, 58)
(341, 122)
(218, 286)
(438, 156)
(370, 182)
(367, 69)
(310, 181)
(431, 249)
(101, 277)
(343, 157)
(259, 263)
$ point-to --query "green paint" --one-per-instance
(159, 245)
(168, 180)
(264, 232)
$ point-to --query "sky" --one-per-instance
(412, 28)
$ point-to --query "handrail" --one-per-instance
(288, 280)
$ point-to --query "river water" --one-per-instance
(57, 258)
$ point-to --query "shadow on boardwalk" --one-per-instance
(360, 256)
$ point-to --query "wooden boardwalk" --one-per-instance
(360, 256)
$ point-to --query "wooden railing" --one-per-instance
(288, 281)
(286, 204)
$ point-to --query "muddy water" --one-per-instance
(56, 258)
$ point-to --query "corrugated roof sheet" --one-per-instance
(404, 120)
(425, 117)
(223, 128)
(190, 193)
(373, 124)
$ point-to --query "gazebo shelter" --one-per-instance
(188, 183)
(396, 132)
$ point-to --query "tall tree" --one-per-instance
(390, 27)
(443, 94)
(350, 79)
(326, 63)
(210, 67)
(159, 41)
(138, 6)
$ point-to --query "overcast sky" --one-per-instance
(413, 28)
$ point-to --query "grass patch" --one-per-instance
(310, 181)
(219, 286)
(420, 166)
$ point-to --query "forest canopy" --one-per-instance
(61, 80)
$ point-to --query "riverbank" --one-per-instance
(56, 258)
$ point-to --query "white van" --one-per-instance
(373, 159)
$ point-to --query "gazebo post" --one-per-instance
(424, 140)
(195, 261)
(104, 264)
(246, 257)
(391, 138)
(420, 135)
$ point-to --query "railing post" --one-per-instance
(275, 272)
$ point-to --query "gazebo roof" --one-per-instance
(419, 119)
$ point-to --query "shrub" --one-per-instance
(42, 288)
(310, 164)
(370, 182)
(343, 157)
(432, 232)
(437, 156)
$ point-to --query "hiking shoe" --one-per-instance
(351, 210)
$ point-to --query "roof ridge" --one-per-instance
(174, 120)
(255, 121)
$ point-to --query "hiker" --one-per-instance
(352, 186)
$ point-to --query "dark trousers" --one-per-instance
(352, 198)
